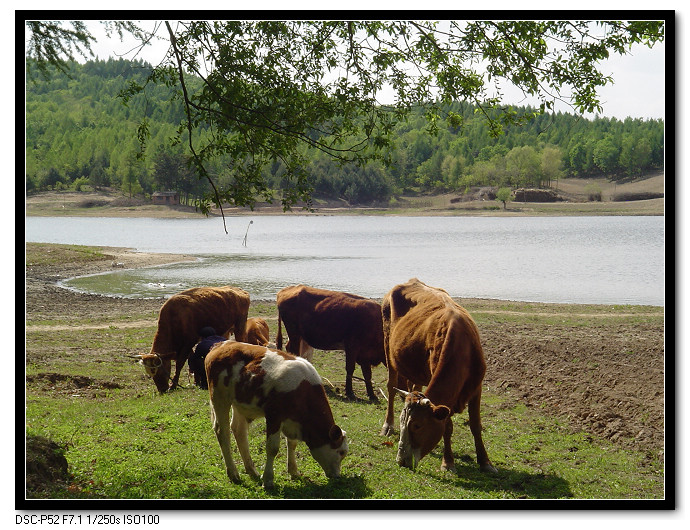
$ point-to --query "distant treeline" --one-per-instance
(79, 133)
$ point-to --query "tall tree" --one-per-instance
(635, 155)
(260, 90)
(606, 155)
(551, 164)
(523, 164)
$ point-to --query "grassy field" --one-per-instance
(124, 441)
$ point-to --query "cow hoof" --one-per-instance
(235, 478)
(449, 468)
(373, 399)
(488, 468)
(387, 430)
(268, 485)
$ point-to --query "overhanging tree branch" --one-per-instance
(190, 129)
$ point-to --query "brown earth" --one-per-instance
(574, 193)
(601, 367)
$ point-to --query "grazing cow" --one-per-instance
(257, 331)
(431, 341)
(255, 381)
(331, 320)
(180, 321)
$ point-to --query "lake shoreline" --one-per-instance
(47, 276)
(112, 204)
(374, 254)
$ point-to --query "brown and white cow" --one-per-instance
(432, 341)
(257, 331)
(180, 321)
(332, 320)
(255, 381)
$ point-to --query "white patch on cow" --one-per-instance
(222, 376)
(291, 429)
(407, 455)
(285, 375)
(234, 376)
(251, 411)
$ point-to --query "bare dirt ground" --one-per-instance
(575, 191)
(601, 367)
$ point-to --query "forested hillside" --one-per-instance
(79, 133)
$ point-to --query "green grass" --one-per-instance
(162, 447)
(39, 254)
(122, 440)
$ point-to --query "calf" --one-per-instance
(257, 331)
(255, 381)
(431, 341)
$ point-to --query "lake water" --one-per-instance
(600, 260)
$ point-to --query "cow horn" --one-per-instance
(403, 393)
(140, 356)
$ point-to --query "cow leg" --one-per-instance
(179, 364)
(448, 464)
(366, 374)
(240, 328)
(349, 371)
(294, 340)
(292, 460)
(473, 409)
(272, 447)
(305, 350)
(240, 429)
(221, 426)
(387, 428)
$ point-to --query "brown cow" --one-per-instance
(431, 341)
(257, 331)
(331, 320)
(255, 381)
(180, 320)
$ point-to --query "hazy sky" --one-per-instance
(638, 91)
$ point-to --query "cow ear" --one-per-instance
(440, 412)
(335, 433)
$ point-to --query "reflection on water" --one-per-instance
(610, 260)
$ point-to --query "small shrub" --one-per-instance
(81, 184)
(593, 192)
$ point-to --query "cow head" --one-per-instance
(156, 367)
(330, 455)
(422, 425)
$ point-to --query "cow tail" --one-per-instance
(279, 336)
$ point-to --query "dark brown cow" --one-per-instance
(431, 341)
(180, 320)
(255, 381)
(331, 320)
(257, 331)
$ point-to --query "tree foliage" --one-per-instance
(76, 128)
(259, 92)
